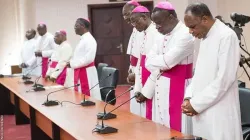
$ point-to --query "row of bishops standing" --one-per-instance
(52, 57)
(161, 49)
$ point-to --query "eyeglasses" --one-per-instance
(159, 23)
(126, 16)
(134, 23)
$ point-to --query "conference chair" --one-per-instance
(109, 84)
(99, 69)
(244, 95)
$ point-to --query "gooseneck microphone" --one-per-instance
(110, 115)
(39, 87)
(85, 102)
(53, 102)
(104, 129)
(26, 78)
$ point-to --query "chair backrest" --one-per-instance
(241, 84)
(110, 81)
(99, 69)
(244, 95)
(15, 69)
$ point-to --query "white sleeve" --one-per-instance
(52, 46)
(21, 56)
(183, 48)
(88, 56)
(148, 89)
(150, 59)
(129, 44)
(32, 60)
(228, 62)
(65, 55)
(189, 91)
(137, 70)
(47, 53)
(129, 51)
(49, 71)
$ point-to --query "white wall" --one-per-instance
(225, 8)
(10, 31)
(61, 14)
(20, 15)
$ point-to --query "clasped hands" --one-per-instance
(23, 65)
(187, 108)
(140, 98)
(38, 54)
(48, 78)
(131, 78)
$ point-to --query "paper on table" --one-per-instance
(53, 87)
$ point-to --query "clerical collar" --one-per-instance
(84, 35)
(213, 28)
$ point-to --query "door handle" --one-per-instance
(120, 47)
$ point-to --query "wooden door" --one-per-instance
(112, 34)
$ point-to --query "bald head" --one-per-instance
(60, 37)
(165, 20)
(31, 33)
(42, 29)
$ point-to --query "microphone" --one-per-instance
(110, 115)
(85, 102)
(25, 77)
(53, 103)
(39, 87)
(104, 129)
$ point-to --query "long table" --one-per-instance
(69, 121)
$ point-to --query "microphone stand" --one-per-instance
(26, 78)
(85, 102)
(110, 115)
(242, 65)
(38, 87)
(53, 103)
(104, 129)
(239, 34)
